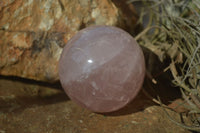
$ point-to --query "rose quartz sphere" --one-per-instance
(102, 68)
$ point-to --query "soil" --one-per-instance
(36, 107)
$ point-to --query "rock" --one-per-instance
(43, 109)
(33, 33)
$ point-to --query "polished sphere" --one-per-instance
(102, 68)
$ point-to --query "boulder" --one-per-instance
(34, 32)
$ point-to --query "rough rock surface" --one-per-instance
(34, 32)
(32, 108)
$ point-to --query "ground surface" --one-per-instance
(45, 108)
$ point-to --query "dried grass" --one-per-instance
(173, 30)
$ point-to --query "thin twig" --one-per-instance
(177, 123)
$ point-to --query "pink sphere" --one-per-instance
(102, 68)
